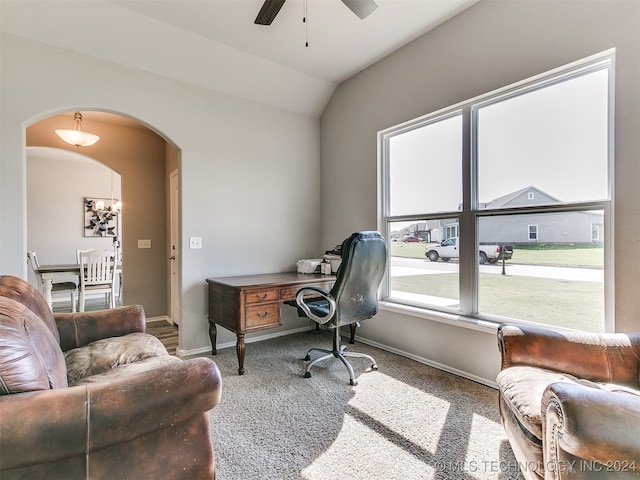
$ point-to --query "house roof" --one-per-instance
(503, 201)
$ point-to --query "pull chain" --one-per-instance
(306, 24)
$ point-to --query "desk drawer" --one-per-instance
(289, 293)
(258, 296)
(262, 315)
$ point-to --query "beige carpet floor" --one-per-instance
(405, 421)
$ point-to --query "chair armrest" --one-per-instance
(592, 425)
(603, 357)
(307, 311)
(82, 328)
(75, 421)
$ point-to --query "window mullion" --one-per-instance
(468, 256)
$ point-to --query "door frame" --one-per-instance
(174, 247)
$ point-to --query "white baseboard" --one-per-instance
(198, 351)
(162, 318)
(431, 363)
(424, 361)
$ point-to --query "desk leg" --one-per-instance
(213, 335)
(240, 345)
(47, 284)
(353, 327)
(240, 349)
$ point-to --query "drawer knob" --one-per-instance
(262, 315)
(261, 296)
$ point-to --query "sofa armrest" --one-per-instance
(82, 328)
(602, 357)
(76, 421)
(591, 425)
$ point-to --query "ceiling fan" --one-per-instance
(270, 8)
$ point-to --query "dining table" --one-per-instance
(56, 271)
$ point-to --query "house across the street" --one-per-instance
(547, 228)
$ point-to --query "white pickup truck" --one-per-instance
(448, 249)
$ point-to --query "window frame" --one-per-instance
(471, 212)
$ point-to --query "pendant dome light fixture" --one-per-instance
(76, 136)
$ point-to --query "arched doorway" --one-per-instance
(144, 159)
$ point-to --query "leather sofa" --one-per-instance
(91, 396)
(570, 402)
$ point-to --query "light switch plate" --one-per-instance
(195, 242)
(144, 243)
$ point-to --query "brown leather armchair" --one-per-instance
(570, 402)
(91, 396)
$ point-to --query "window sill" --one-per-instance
(442, 317)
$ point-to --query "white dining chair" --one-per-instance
(66, 286)
(78, 252)
(97, 274)
(118, 269)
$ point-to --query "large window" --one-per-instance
(508, 196)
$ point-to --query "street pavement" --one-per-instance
(401, 266)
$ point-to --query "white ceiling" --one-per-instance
(215, 43)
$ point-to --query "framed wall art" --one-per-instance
(100, 217)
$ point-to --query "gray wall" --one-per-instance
(240, 163)
(488, 46)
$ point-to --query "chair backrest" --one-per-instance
(32, 256)
(25, 293)
(78, 252)
(364, 262)
(32, 259)
(97, 267)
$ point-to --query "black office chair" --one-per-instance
(354, 296)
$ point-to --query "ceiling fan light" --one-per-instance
(76, 136)
(362, 8)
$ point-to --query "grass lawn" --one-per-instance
(565, 256)
(563, 303)
(570, 304)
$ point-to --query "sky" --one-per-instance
(554, 138)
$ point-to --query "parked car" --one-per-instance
(448, 249)
(411, 239)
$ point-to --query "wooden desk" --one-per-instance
(250, 303)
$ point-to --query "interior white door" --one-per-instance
(174, 252)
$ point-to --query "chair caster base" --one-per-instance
(340, 352)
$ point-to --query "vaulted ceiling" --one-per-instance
(215, 44)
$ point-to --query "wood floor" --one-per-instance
(166, 332)
(97, 302)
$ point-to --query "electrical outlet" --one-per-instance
(195, 242)
(144, 243)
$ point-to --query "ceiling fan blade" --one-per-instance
(362, 8)
(268, 12)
